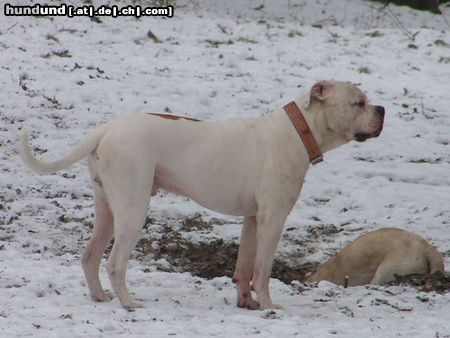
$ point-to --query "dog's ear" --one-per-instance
(319, 91)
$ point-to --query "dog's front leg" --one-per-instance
(244, 266)
(268, 232)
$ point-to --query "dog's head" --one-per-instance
(345, 111)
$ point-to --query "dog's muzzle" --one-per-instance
(361, 137)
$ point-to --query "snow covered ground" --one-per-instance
(61, 77)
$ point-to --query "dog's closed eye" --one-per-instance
(360, 104)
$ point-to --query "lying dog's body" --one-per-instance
(374, 258)
(253, 168)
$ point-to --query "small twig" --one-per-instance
(395, 20)
(153, 37)
(385, 302)
(427, 116)
(222, 28)
(11, 27)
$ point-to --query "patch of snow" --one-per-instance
(60, 77)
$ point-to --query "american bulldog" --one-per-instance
(253, 168)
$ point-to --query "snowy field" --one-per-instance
(60, 77)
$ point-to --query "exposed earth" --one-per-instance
(217, 258)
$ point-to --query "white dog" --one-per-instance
(374, 258)
(253, 168)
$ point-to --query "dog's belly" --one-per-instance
(233, 200)
(235, 205)
(213, 164)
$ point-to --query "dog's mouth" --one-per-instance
(361, 137)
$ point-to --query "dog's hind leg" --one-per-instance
(101, 235)
(128, 189)
(399, 266)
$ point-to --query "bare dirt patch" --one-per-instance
(207, 259)
(215, 257)
(438, 282)
(210, 259)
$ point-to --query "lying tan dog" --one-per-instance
(253, 168)
(375, 257)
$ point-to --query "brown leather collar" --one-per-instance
(299, 122)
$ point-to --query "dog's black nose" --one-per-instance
(380, 110)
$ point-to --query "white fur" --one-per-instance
(253, 168)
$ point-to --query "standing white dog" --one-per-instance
(253, 168)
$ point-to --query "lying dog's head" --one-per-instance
(344, 111)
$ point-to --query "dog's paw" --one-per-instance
(133, 306)
(271, 306)
(104, 297)
(248, 303)
(245, 300)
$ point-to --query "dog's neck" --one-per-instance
(325, 136)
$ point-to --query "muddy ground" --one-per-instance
(212, 259)
(216, 257)
(437, 282)
(207, 259)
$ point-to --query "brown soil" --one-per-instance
(215, 257)
(209, 260)
(438, 282)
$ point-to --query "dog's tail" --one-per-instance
(435, 260)
(77, 154)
